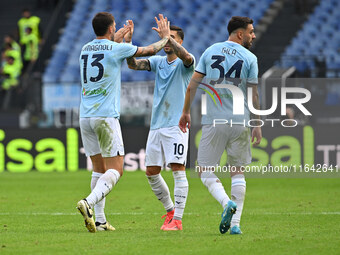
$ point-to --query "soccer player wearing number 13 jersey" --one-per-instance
(226, 62)
(100, 64)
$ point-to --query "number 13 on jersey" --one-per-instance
(96, 64)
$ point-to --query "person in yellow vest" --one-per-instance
(10, 74)
(11, 52)
(26, 21)
(9, 80)
(10, 39)
(31, 48)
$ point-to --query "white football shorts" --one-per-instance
(101, 135)
(165, 146)
(214, 140)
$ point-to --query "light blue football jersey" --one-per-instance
(171, 83)
(222, 63)
(100, 69)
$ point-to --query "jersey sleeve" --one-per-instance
(127, 50)
(154, 61)
(190, 68)
(253, 72)
(201, 67)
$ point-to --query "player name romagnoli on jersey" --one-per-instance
(97, 47)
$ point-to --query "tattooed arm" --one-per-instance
(151, 49)
(138, 64)
(144, 64)
(181, 52)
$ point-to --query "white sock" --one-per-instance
(238, 191)
(103, 187)
(215, 187)
(161, 190)
(180, 193)
(99, 207)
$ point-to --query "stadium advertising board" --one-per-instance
(47, 150)
(296, 152)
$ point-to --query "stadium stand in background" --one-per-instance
(61, 77)
(299, 35)
(316, 48)
(195, 17)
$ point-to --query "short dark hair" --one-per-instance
(179, 31)
(101, 23)
(237, 22)
(10, 36)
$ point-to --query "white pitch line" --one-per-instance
(298, 213)
(144, 213)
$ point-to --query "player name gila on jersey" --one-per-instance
(231, 52)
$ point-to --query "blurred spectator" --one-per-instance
(10, 74)
(14, 44)
(26, 21)
(9, 80)
(11, 65)
(9, 51)
(31, 48)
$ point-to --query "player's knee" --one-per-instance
(148, 173)
(177, 167)
(153, 170)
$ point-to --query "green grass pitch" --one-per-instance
(281, 216)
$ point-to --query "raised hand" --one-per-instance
(119, 35)
(163, 28)
(128, 36)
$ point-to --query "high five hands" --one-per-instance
(163, 28)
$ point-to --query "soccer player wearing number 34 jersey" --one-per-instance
(167, 144)
(229, 61)
(100, 67)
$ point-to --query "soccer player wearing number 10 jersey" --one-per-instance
(228, 62)
(167, 144)
(100, 66)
